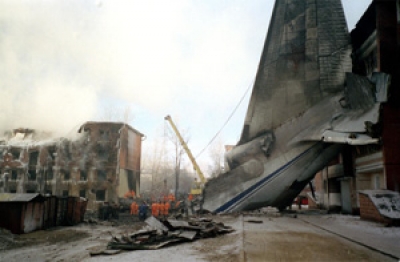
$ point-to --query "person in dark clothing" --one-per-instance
(143, 208)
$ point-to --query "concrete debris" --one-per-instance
(161, 233)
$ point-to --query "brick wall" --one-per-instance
(312, 204)
(368, 211)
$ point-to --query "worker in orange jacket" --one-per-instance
(190, 197)
(130, 194)
(166, 208)
(154, 209)
(162, 209)
(171, 198)
(134, 208)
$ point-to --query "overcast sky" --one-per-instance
(66, 62)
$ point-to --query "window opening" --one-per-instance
(100, 195)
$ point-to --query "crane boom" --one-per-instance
(188, 152)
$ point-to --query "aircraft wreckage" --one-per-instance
(305, 106)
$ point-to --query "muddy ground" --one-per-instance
(257, 237)
(75, 244)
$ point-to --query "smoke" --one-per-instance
(60, 60)
(44, 83)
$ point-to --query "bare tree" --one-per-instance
(165, 165)
(156, 164)
(116, 112)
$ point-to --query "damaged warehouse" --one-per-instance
(101, 164)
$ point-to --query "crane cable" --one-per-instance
(229, 118)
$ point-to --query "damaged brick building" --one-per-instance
(101, 164)
(375, 42)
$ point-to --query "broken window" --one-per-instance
(67, 175)
(49, 174)
(65, 193)
(83, 175)
(82, 193)
(15, 154)
(32, 175)
(100, 195)
(33, 158)
(87, 133)
(102, 151)
(13, 191)
(103, 135)
(14, 174)
(67, 151)
(52, 152)
(30, 191)
(101, 175)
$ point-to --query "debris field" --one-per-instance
(160, 233)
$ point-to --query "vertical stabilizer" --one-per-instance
(305, 57)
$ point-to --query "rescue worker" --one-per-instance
(143, 211)
(162, 209)
(134, 208)
(172, 196)
(130, 194)
(154, 209)
(166, 209)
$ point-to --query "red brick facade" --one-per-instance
(368, 211)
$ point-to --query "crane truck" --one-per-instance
(197, 189)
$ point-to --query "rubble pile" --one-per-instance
(160, 233)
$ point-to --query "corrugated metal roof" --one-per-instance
(9, 197)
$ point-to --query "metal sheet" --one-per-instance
(155, 223)
(188, 234)
(9, 197)
(183, 224)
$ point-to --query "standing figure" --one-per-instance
(154, 209)
(133, 208)
(143, 211)
(167, 206)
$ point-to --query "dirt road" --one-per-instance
(257, 238)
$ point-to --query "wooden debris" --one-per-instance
(159, 234)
